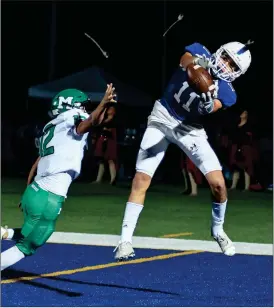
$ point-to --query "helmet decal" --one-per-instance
(245, 47)
(68, 99)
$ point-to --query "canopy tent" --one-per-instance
(93, 81)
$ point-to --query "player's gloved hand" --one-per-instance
(206, 104)
(203, 61)
(216, 89)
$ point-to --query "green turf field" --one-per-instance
(99, 209)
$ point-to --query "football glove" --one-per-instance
(203, 61)
(206, 104)
(216, 89)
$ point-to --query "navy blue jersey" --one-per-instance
(180, 99)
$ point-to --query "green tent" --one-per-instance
(93, 81)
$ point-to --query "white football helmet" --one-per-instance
(236, 52)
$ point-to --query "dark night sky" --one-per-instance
(132, 34)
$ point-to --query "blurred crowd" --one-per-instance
(245, 155)
(246, 158)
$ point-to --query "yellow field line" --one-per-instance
(177, 234)
(102, 266)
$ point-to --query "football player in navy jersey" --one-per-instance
(176, 118)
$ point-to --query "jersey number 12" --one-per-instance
(45, 140)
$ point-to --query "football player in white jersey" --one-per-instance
(176, 118)
(61, 152)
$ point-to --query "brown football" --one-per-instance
(200, 79)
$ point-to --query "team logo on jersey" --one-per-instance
(194, 147)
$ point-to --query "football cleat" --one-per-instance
(225, 244)
(124, 251)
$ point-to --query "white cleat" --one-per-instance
(124, 251)
(3, 231)
(225, 244)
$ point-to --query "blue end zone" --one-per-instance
(204, 279)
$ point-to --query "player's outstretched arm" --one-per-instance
(208, 104)
(109, 114)
(186, 59)
(98, 117)
(33, 170)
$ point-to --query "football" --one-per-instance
(200, 79)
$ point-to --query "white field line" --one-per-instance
(157, 243)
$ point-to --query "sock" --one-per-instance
(10, 257)
(10, 234)
(3, 231)
(218, 217)
(14, 234)
(131, 216)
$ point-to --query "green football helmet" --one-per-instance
(68, 99)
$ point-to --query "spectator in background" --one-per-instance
(106, 152)
(243, 153)
(8, 157)
(265, 164)
(192, 175)
(38, 132)
(129, 151)
(223, 146)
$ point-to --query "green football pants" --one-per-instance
(41, 210)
